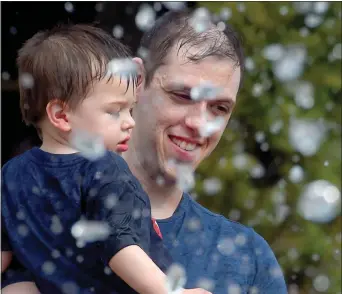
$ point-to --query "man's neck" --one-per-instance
(164, 198)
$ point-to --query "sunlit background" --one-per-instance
(278, 165)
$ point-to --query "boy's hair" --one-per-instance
(174, 27)
(62, 63)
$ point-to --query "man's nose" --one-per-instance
(197, 116)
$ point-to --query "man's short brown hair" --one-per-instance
(62, 63)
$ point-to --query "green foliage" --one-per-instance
(262, 24)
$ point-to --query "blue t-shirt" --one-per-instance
(44, 194)
(222, 255)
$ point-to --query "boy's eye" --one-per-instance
(115, 114)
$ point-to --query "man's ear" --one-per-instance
(141, 74)
(58, 115)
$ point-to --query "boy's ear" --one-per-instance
(141, 74)
(58, 114)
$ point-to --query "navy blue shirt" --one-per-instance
(44, 194)
(222, 255)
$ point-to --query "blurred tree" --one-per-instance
(285, 133)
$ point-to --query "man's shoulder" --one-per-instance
(215, 220)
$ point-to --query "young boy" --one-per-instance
(65, 88)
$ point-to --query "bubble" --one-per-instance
(194, 224)
(284, 10)
(205, 91)
(48, 267)
(5, 76)
(234, 214)
(225, 13)
(291, 65)
(118, 31)
(211, 127)
(240, 240)
(315, 257)
(136, 214)
(257, 172)
(293, 254)
(257, 90)
(260, 137)
(313, 20)
(264, 147)
(302, 7)
(124, 67)
(226, 246)
(56, 225)
(142, 53)
(249, 64)
(26, 80)
(205, 284)
(69, 252)
(107, 270)
(99, 7)
(240, 161)
(175, 279)
(13, 31)
(234, 289)
(221, 26)
(79, 258)
(201, 20)
(320, 7)
(296, 174)
(336, 53)
(55, 253)
(23, 230)
(157, 6)
(306, 136)
(281, 212)
(174, 5)
(212, 186)
(304, 95)
(110, 201)
(90, 231)
(319, 202)
(20, 215)
(276, 272)
(69, 7)
(145, 17)
(321, 283)
(185, 177)
(89, 145)
(273, 52)
(160, 180)
(304, 32)
(70, 288)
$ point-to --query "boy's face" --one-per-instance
(106, 112)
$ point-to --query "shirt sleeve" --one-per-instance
(5, 244)
(113, 201)
(269, 278)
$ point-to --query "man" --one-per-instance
(219, 254)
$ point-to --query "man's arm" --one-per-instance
(269, 278)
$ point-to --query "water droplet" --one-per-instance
(145, 17)
(175, 279)
(313, 20)
(118, 31)
(48, 267)
(70, 288)
(26, 80)
(306, 136)
(205, 284)
(226, 246)
(201, 20)
(212, 186)
(69, 7)
(174, 5)
(5, 76)
(321, 283)
(89, 145)
(56, 225)
(90, 231)
(234, 289)
(124, 67)
(296, 174)
(205, 91)
(319, 201)
(23, 230)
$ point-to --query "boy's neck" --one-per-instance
(54, 143)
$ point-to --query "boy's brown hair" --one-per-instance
(61, 64)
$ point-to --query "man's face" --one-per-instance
(169, 122)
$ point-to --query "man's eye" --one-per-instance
(220, 109)
(182, 96)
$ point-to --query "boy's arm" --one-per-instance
(6, 258)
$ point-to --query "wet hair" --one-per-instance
(174, 28)
(63, 63)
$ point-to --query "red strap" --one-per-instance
(156, 228)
